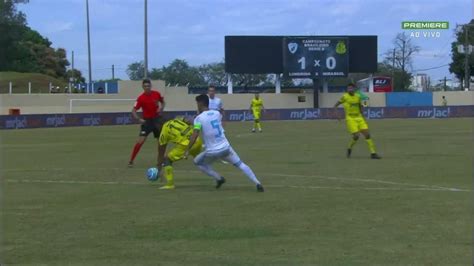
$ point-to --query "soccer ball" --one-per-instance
(152, 174)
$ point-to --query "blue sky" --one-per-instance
(194, 30)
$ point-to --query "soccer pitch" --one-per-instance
(68, 198)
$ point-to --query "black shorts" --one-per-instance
(151, 125)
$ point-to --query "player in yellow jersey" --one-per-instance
(256, 107)
(177, 132)
(355, 120)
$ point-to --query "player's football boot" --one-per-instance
(349, 152)
(167, 187)
(260, 188)
(220, 182)
(130, 164)
(375, 156)
(253, 130)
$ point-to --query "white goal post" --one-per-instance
(71, 101)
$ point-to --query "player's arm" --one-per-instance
(335, 108)
(161, 105)
(192, 141)
(221, 111)
(194, 137)
(161, 156)
(135, 114)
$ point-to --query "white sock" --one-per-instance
(207, 169)
(249, 173)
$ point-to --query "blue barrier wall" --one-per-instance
(102, 119)
(405, 99)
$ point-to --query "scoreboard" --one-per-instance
(315, 57)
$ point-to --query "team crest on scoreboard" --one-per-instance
(341, 47)
(292, 47)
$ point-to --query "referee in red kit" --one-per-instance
(152, 104)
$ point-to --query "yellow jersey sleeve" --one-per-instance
(163, 140)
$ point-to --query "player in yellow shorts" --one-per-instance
(177, 132)
(355, 120)
(256, 107)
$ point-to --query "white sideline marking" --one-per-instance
(429, 187)
(237, 185)
(350, 179)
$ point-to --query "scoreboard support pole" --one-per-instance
(316, 86)
(277, 83)
(230, 88)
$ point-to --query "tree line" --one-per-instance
(23, 49)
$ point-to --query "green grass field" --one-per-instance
(69, 199)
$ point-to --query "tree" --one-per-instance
(248, 80)
(156, 74)
(457, 65)
(404, 51)
(400, 59)
(136, 71)
(12, 23)
(213, 73)
(76, 74)
(179, 72)
(23, 49)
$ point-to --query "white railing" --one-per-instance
(71, 101)
(69, 89)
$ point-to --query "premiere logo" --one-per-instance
(425, 29)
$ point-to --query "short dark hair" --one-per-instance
(146, 81)
(211, 86)
(203, 99)
(351, 84)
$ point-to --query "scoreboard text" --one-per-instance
(315, 57)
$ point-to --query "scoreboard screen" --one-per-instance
(315, 57)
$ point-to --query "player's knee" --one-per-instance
(355, 136)
(257, 120)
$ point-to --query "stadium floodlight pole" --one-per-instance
(146, 41)
(72, 67)
(89, 43)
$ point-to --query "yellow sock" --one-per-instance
(259, 127)
(169, 175)
(352, 143)
(371, 145)
(254, 125)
